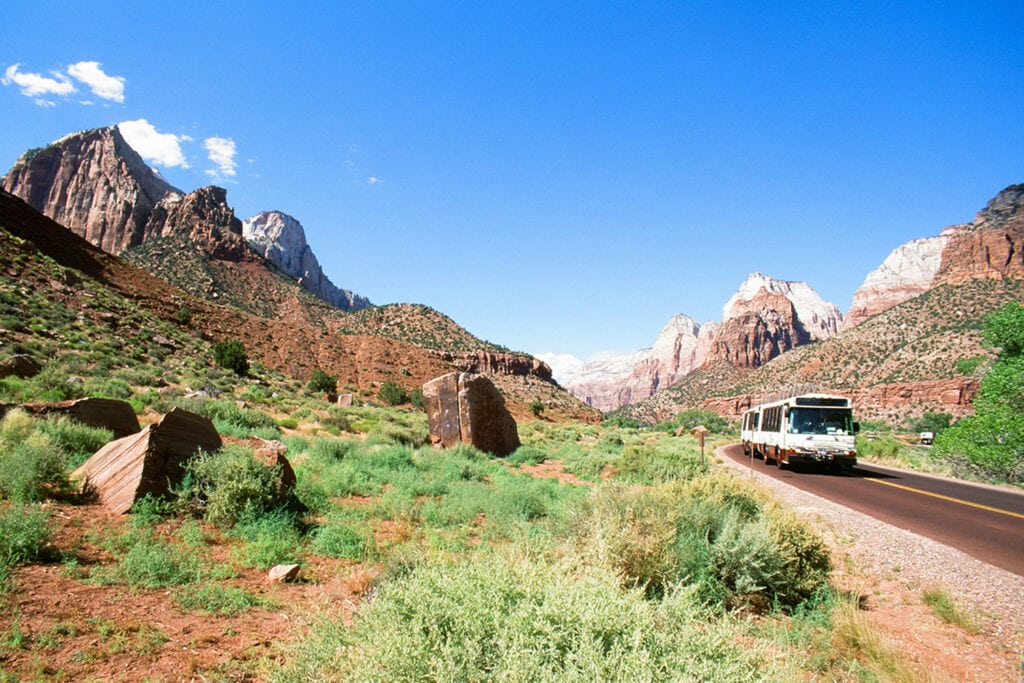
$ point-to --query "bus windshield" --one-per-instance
(820, 421)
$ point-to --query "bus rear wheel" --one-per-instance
(778, 460)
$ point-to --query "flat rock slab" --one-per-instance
(151, 461)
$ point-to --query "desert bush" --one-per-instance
(32, 467)
(268, 540)
(231, 419)
(232, 356)
(878, 449)
(341, 539)
(78, 441)
(108, 387)
(230, 487)
(392, 393)
(148, 561)
(322, 383)
(25, 531)
(210, 597)
(497, 618)
(931, 422)
(526, 455)
(713, 534)
(688, 419)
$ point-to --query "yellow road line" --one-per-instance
(949, 498)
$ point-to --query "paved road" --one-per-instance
(982, 521)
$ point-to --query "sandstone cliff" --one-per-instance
(991, 247)
(759, 329)
(93, 183)
(280, 239)
(906, 272)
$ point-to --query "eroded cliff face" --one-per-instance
(204, 217)
(990, 248)
(610, 382)
(95, 184)
(761, 328)
(907, 271)
(280, 239)
(92, 183)
(764, 318)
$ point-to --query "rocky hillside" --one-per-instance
(95, 184)
(912, 341)
(65, 293)
(763, 319)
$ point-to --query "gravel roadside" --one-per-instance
(882, 550)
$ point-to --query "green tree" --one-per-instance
(322, 383)
(990, 443)
(392, 394)
(536, 407)
(231, 355)
(932, 422)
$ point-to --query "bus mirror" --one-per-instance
(856, 427)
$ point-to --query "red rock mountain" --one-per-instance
(95, 184)
(991, 248)
(92, 183)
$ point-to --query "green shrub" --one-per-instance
(392, 394)
(503, 619)
(322, 383)
(78, 441)
(341, 540)
(269, 540)
(931, 422)
(230, 487)
(212, 598)
(526, 455)
(231, 355)
(25, 531)
(149, 562)
(31, 469)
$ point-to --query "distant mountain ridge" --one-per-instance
(912, 320)
(95, 184)
(764, 318)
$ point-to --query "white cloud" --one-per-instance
(102, 85)
(36, 85)
(372, 180)
(222, 152)
(163, 149)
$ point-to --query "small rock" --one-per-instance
(283, 572)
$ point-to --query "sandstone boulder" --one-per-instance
(151, 461)
(463, 408)
(108, 413)
(20, 365)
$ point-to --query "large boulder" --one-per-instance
(151, 461)
(20, 365)
(464, 408)
(108, 413)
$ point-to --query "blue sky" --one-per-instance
(556, 177)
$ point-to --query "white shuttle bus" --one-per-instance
(810, 428)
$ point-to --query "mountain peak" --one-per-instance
(821, 319)
(114, 190)
(281, 239)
